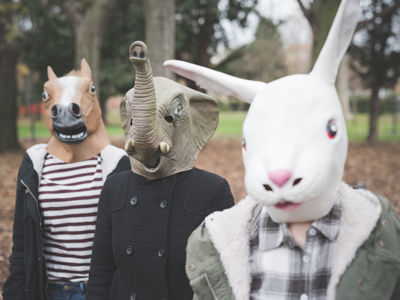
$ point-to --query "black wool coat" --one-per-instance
(139, 249)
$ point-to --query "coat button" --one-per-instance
(192, 267)
(133, 297)
(165, 181)
(161, 253)
(129, 250)
(26, 191)
(39, 259)
(133, 201)
(163, 203)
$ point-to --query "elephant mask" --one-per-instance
(165, 123)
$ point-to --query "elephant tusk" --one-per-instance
(129, 145)
(165, 148)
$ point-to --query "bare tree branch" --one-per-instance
(378, 15)
(306, 12)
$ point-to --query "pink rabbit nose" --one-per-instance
(279, 177)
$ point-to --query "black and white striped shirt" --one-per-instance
(68, 199)
(283, 270)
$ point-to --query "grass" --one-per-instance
(230, 125)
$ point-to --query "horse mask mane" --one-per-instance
(73, 116)
(294, 135)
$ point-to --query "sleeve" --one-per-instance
(222, 197)
(396, 292)
(14, 287)
(103, 266)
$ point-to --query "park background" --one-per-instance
(253, 39)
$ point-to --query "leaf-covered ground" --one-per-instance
(378, 166)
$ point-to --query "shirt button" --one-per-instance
(306, 259)
(165, 181)
(161, 253)
(304, 297)
(163, 203)
(192, 267)
(133, 297)
(312, 232)
(129, 250)
(133, 201)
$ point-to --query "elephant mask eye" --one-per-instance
(178, 109)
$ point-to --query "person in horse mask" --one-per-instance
(147, 214)
(58, 191)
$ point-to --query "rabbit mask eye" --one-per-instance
(331, 129)
(244, 144)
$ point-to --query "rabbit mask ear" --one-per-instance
(339, 38)
(216, 81)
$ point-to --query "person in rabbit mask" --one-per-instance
(58, 189)
(300, 233)
(147, 214)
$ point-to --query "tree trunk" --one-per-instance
(89, 26)
(160, 34)
(374, 114)
(9, 53)
(342, 87)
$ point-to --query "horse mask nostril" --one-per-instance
(135, 54)
(55, 110)
(76, 110)
(142, 55)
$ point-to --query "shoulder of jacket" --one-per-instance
(205, 177)
(115, 188)
(385, 237)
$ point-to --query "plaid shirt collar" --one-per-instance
(274, 234)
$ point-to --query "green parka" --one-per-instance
(366, 264)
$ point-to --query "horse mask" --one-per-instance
(73, 116)
(294, 135)
(165, 124)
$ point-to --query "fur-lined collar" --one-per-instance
(229, 231)
(110, 157)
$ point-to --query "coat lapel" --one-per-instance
(229, 231)
(360, 212)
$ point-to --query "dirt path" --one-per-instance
(378, 166)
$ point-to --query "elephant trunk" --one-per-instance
(143, 108)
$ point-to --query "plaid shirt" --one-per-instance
(283, 270)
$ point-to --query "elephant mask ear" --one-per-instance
(204, 114)
(123, 112)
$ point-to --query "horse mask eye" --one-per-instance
(331, 129)
(92, 89)
(45, 95)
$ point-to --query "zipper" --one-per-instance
(210, 286)
(41, 234)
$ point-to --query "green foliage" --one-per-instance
(48, 42)
(199, 30)
(377, 59)
(126, 25)
(261, 60)
(363, 104)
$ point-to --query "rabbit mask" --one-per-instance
(294, 135)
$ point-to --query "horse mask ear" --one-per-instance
(85, 69)
(50, 74)
(216, 81)
(338, 40)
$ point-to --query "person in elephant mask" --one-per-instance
(58, 191)
(146, 215)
